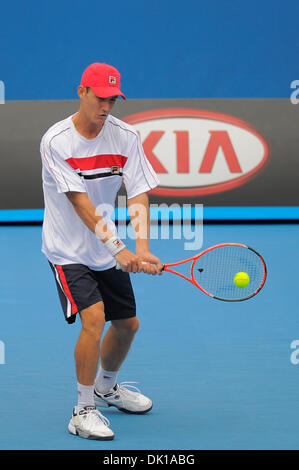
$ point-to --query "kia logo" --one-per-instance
(197, 152)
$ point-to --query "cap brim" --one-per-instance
(105, 92)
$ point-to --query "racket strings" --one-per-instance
(215, 270)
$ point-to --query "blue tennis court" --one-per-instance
(220, 374)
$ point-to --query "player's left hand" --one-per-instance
(151, 263)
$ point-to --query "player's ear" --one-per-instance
(82, 91)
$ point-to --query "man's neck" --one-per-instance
(85, 128)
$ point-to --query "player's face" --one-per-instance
(95, 108)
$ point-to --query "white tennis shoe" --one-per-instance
(124, 399)
(89, 423)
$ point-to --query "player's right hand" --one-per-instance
(129, 262)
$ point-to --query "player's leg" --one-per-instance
(115, 347)
(88, 345)
(87, 421)
(120, 309)
(78, 292)
(117, 343)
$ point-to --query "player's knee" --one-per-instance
(134, 324)
(126, 327)
(94, 327)
(93, 321)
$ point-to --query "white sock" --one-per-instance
(85, 395)
(105, 380)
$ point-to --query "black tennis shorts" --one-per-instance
(80, 287)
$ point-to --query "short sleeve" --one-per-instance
(65, 177)
(138, 174)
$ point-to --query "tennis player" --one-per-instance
(85, 158)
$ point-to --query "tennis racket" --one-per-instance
(213, 271)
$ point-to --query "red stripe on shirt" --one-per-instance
(97, 162)
(66, 289)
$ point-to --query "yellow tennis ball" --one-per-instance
(241, 279)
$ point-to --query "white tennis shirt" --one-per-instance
(98, 166)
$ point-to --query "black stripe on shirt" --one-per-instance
(100, 175)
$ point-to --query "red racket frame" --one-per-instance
(196, 257)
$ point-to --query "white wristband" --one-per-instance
(114, 245)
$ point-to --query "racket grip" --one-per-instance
(119, 266)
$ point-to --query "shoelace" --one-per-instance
(94, 415)
(127, 386)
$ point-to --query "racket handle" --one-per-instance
(119, 266)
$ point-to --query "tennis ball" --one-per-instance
(241, 280)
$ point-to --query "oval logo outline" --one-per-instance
(163, 113)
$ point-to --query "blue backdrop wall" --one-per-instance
(164, 49)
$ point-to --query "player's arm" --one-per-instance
(86, 210)
(138, 208)
(89, 215)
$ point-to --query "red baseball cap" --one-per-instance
(103, 79)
